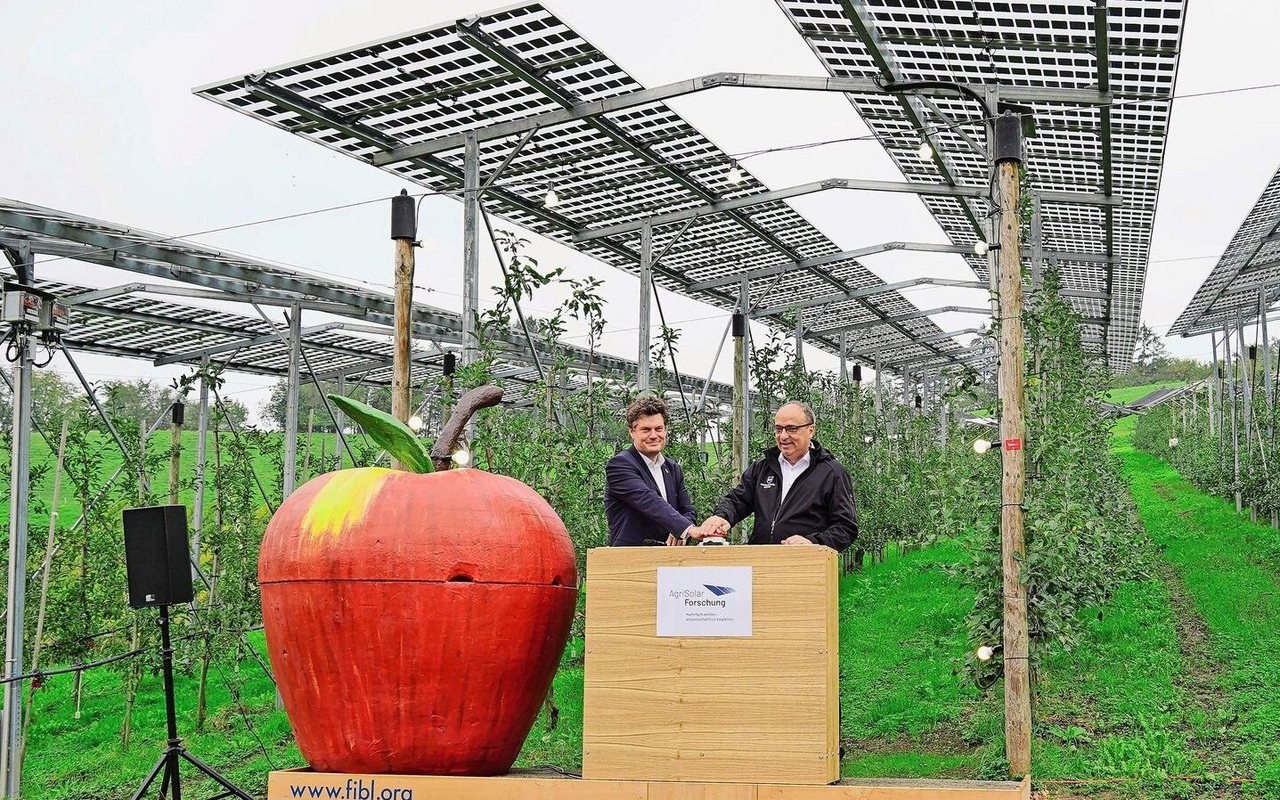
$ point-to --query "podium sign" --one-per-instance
(704, 601)
(711, 664)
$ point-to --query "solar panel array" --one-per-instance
(1249, 265)
(134, 323)
(1114, 149)
(612, 168)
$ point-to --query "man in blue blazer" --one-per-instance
(644, 496)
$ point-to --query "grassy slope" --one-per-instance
(1224, 564)
(1128, 394)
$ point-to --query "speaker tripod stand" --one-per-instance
(171, 758)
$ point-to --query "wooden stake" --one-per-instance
(1017, 677)
(175, 460)
(404, 232)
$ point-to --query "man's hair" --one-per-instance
(809, 417)
(646, 406)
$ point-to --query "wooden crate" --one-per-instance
(745, 709)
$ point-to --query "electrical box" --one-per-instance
(21, 305)
(55, 317)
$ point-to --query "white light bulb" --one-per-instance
(551, 200)
(980, 248)
(734, 175)
(924, 152)
(981, 446)
(462, 457)
(985, 653)
(415, 423)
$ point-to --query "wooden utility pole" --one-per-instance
(404, 230)
(175, 451)
(1017, 672)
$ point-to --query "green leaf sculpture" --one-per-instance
(392, 434)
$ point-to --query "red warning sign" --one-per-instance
(1012, 444)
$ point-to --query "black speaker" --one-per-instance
(155, 554)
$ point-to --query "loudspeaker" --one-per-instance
(155, 553)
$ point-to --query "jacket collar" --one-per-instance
(816, 453)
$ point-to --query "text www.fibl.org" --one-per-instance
(356, 789)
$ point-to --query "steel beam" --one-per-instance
(857, 326)
(582, 111)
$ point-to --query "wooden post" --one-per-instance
(1235, 429)
(1017, 678)
(404, 230)
(175, 452)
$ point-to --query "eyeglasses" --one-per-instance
(792, 429)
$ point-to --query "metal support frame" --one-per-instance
(903, 187)
(646, 298)
(470, 249)
(1235, 432)
(289, 471)
(581, 111)
(800, 339)
(858, 326)
(15, 613)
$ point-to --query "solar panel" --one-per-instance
(607, 168)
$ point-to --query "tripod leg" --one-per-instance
(161, 764)
(232, 789)
(172, 776)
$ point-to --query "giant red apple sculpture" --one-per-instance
(415, 621)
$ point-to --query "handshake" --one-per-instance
(718, 526)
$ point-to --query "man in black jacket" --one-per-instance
(799, 492)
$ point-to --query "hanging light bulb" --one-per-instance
(734, 175)
(981, 446)
(415, 423)
(985, 652)
(925, 151)
(462, 457)
(552, 199)
(980, 248)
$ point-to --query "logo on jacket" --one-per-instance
(719, 591)
(768, 482)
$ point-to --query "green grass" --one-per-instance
(1128, 394)
(1221, 559)
(904, 693)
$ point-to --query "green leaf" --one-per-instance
(392, 434)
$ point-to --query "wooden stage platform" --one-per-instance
(548, 785)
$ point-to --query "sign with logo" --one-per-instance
(704, 601)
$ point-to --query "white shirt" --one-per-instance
(655, 469)
(790, 471)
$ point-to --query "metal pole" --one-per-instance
(470, 248)
(844, 363)
(1246, 400)
(15, 615)
(1235, 434)
(739, 390)
(1037, 244)
(1266, 363)
(291, 406)
(1213, 384)
(338, 417)
(1017, 715)
(202, 433)
(646, 291)
(879, 391)
(800, 338)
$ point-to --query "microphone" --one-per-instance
(653, 543)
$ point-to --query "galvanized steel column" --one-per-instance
(19, 482)
(291, 405)
(470, 247)
(646, 284)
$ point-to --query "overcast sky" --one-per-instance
(101, 122)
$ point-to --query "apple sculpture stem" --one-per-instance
(415, 619)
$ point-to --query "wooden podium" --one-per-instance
(726, 702)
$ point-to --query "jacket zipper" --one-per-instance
(778, 513)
